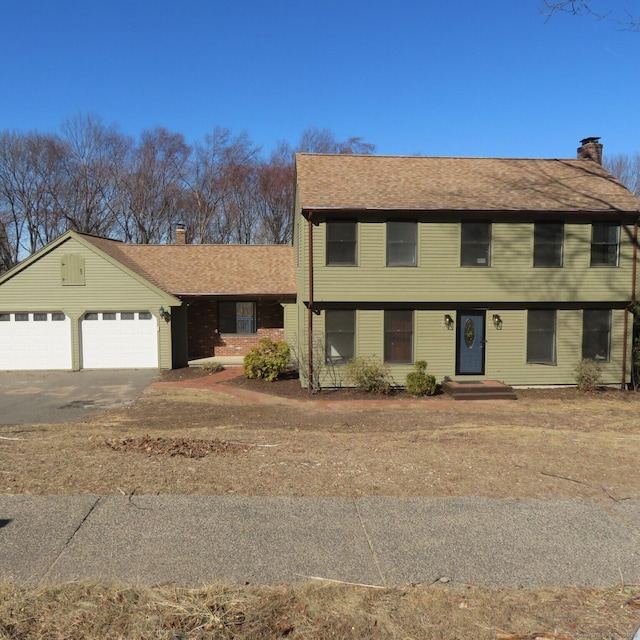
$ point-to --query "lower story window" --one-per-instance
(596, 334)
(339, 332)
(398, 336)
(237, 317)
(541, 336)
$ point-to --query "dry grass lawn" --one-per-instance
(191, 441)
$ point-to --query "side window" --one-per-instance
(237, 317)
(339, 332)
(342, 242)
(605, 244)
(475, 244)
(548, 244)
(541, 336)
(398, 336)
(401, 243)
(596, 334)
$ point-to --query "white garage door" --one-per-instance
(122, 340)
(35, 341)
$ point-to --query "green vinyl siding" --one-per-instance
(108, 287)
(440, 278)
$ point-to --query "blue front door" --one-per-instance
(470, 343)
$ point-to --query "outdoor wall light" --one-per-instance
(165, 315)
(497, 321)
(448, 321)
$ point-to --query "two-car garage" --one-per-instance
(108, 340)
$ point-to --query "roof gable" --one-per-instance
(413, 183)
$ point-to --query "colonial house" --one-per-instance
(85, 302)
(487, 268)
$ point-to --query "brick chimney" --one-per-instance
(180, 234)
(591, 149)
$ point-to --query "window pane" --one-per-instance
(144, 315)
(237, 317)
(40, 317)
(341, 242)
(548, 238)
(90, 316)
(541, 336)
(596, 332)
(604, 243)
(245, 317)
(127, 315)
(398, 336)
(58, 316)
(401, 243)
(476, 244)
(5, 317)
(339, 335)
(109, 316)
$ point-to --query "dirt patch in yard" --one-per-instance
(548, 444)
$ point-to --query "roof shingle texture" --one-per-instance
(414, 183)
(213, 269)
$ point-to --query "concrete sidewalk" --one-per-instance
(197, 540)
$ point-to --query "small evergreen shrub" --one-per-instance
(419, 382)
(368, 374)
(267, 360)
(588, 374)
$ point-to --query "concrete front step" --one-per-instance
(478, 390)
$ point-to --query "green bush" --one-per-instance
(419, 382)
(588, 374)
(267, 359)
(368, 374)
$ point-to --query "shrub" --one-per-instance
(368, 374)
(419, 382)
(588, 374)
(266, 360)
(213, 367)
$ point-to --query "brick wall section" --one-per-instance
(205, 341)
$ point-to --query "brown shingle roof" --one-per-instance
(213, 269)
(457, 184)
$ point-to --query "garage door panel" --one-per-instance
(120, 340)
(26, 343)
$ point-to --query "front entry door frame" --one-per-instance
(471, 330)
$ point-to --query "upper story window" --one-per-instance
(548, 239)
(340, 331)
(342, 242)
(237, 317)
(605, 244)
(475, 245)
(401, 243)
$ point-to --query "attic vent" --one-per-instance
(72, 270)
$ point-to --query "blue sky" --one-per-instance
(453, 77)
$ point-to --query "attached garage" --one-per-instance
(119, 340)
(40, 340)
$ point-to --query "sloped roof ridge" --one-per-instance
(439, 157)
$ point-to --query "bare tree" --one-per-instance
(27, 210)
(151, 191)
(623, 16)
(627, 169)
(214, 186)
(314, 140)
(88, 160)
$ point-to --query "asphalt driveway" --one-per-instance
(51, 397)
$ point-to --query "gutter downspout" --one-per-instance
(634, 269)
(310, 309)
